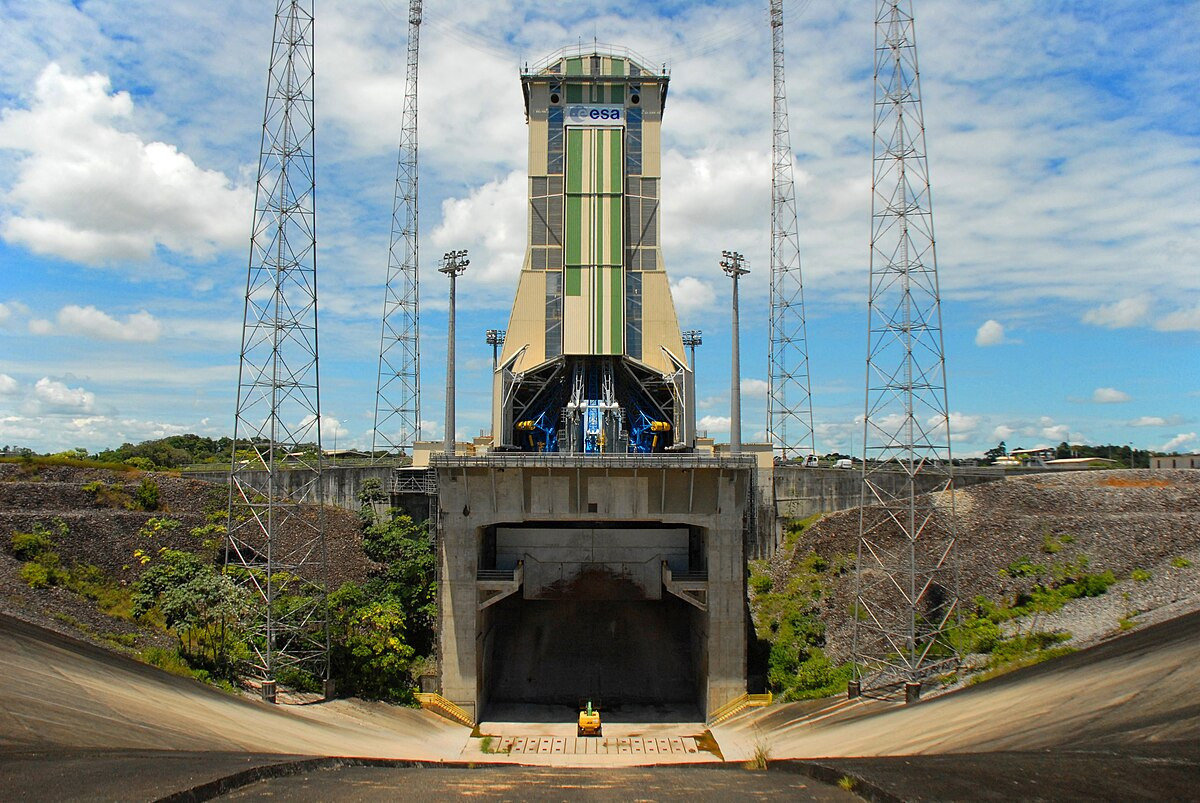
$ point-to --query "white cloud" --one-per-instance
(140, 327)
(991, 333)
(5, 313)
(714, 423)
(1179, 440)
(1184, 320)
(754, 387)
(1148, 421)
(1109, 396)
(1120, 314)
(491, 224)
(54, 396)
(1002, 432)
(90, 192)
(692, 295)
(8, 385)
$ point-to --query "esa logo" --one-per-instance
(595, 115)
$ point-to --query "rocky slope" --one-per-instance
(98, 530)
(1134, 523)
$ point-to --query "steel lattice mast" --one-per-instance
(276, 542)
(398, 393)
(905, 584)
(789, 401)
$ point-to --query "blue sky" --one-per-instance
(1064, 151)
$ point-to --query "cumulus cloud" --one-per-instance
(1109, 396)
(991, 333)
(754, 387)
(692, 295)
(140, 327)
(90, 192)
(53, 396)
(490, 223)
(8, 385)
(1149, 421)
(714, 423)
(1178, 441)
(1119, 314)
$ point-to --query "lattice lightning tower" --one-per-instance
(905, 582)
(789, 401)
(398, 394)
(276, 541)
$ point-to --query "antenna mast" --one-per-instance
(398, 392)
(276, 534)
(789, 401)
(905, 583)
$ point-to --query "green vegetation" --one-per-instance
(381, 628)
(1181, 563)
(788, 625)
(1140, 575)
(145, 496)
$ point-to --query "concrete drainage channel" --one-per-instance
(651, 747)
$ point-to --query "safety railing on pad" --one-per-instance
(738, 705)
(440, 705)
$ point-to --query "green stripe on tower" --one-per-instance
(573, 281)
(616, 299)
(574, 160)
(574, 230)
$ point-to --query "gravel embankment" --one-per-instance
(1119, 521)
(104, 535)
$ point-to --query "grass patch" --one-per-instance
(847, 783)
(1180, 563)
(1030, 659)
(1140, 575)
(789, 629)
(35, 464)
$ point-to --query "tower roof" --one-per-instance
(615, 61)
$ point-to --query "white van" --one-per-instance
(844, 462)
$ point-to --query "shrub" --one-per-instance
(27, 546)
(1181, 562)
(1140, 575)
(760, 583)
(108, 495)
(146, 495)
(37, 575)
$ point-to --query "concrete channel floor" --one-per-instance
(1119, 721)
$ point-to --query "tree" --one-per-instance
(371, 655)
(996, 452)
(198, 603)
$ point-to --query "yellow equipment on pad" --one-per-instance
(589, 721)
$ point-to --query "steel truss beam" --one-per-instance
(905, 579)
(276, 534)
(789, 400)
(398, 392)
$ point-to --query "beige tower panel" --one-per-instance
(527, 323)
(537, 147)
(660, 326)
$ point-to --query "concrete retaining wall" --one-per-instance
(802, 492)
(339, 484)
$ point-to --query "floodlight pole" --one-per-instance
(731, 263)
(454, 263)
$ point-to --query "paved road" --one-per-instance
(364, 784)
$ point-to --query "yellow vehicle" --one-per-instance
(589, 721)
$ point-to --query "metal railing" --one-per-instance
(543, 460)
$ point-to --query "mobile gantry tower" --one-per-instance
(593, 361)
